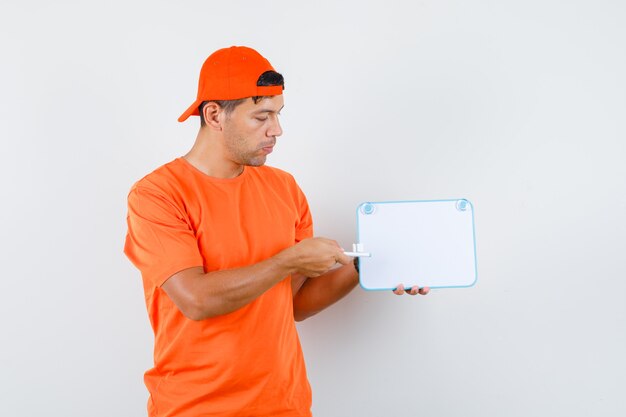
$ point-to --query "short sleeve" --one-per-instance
(304, 227)
(160, 240)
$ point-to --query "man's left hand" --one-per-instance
(413, 290)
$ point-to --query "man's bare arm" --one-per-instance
(312, 295)
(315, 294)
(201, 295)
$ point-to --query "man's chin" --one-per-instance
(256, 162)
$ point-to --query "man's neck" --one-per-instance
(207, 157)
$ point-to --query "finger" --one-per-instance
(399, 290)
(424, 290)
(343, 259)
(414, 290)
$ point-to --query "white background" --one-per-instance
(518, 106)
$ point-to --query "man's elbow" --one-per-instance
(301, 315)
(193, 312)
(198, 310)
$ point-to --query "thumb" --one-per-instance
(344, 259)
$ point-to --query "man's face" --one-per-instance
(250, 131)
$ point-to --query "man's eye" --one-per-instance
(261, 119)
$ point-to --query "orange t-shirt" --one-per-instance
(245, 363)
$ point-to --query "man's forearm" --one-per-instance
(318, 293)
(201, 295)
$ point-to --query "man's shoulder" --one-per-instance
(164, 178)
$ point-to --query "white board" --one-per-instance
(424, 243)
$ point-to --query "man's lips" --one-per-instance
(269, 148)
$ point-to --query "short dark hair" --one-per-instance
(268, 78)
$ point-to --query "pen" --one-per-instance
(358, 254)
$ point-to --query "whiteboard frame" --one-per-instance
(364, 261)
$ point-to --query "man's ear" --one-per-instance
(211, 113)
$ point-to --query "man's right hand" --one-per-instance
(313, 257)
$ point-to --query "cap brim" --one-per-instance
(191, 111)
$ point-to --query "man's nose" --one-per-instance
(275, 128)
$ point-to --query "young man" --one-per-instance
(226, 250)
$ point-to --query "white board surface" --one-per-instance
(424, 243)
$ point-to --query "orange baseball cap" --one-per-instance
(231, 74)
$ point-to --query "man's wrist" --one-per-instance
(284, 261)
